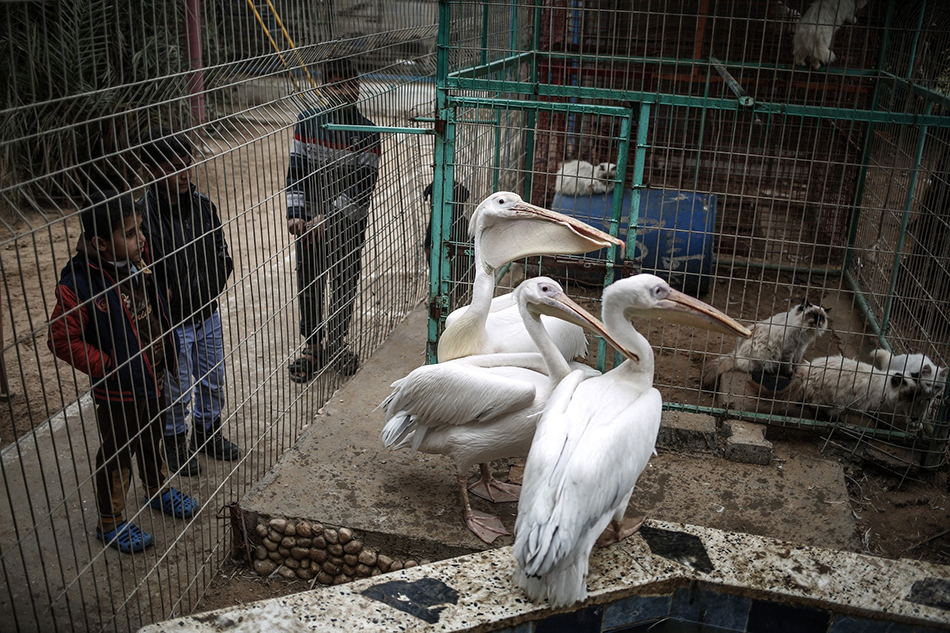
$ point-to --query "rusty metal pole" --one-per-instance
(196, 86)
(4, 385)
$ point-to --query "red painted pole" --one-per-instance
(196, 85)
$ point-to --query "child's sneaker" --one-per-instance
(125, 537)
(177, 456)
(174, 503)
(214, 443)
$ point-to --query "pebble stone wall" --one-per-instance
(307, 551)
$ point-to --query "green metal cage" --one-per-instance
(830, 183)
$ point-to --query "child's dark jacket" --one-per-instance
(327, 165)
(92, 329)
(189, 252)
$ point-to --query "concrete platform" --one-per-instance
(404, 507)
(697, 578)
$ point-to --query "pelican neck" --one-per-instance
(625, 333)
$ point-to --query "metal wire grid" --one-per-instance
(786, 173)
(86, 80)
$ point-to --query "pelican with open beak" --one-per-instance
(505, 228)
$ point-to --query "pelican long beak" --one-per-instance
(683, 309)
(562, 307)
(538, 231)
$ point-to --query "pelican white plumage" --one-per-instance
(505, 228)
(593, 441)
(484, 407)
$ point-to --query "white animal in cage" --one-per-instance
(814, 32)
(777, 344)
(835, 384)
(918, 367)
(580, 178)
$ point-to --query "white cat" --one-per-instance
(776, 346)
(931, 379)
(814, 32)
(834, 384)
(580, 178)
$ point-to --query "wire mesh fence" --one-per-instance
(86, 83)
(766, 154)
(734, 162)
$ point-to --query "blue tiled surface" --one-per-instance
(635, 609)
(728, 611)
(527, 627)
(689, 604)
(710, 607)
(774, 617)
(722, 611)
(848, 624)
(588, 620)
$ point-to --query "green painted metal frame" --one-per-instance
(905, 220)
(639, 164)
(742, 96)
(866, 311)
(469, 80)
(481, 79)
(444, 160)
(382, 129)
(445, 144)
(488, 67)
(760, 107)
(805, 423)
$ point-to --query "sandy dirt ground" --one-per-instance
(897, 513)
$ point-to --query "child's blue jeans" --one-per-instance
(200, 374)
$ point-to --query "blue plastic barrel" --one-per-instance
(674, 233)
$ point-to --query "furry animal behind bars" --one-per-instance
(930, 379)
(580, 178)
(835, 384)
(815, 30)
(777, 344)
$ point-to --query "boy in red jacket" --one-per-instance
(111, 322)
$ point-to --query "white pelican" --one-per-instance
(504, 228)
(594, 439)
(484, 407)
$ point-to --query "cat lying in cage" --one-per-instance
(817, 27)
(580, 178)
(931, 381)
(835, 384)
(776, 347)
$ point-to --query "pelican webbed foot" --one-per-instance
(485, 526)
(617, 531)
(490, 489)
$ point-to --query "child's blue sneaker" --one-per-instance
(174, 503)
(125, 537)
